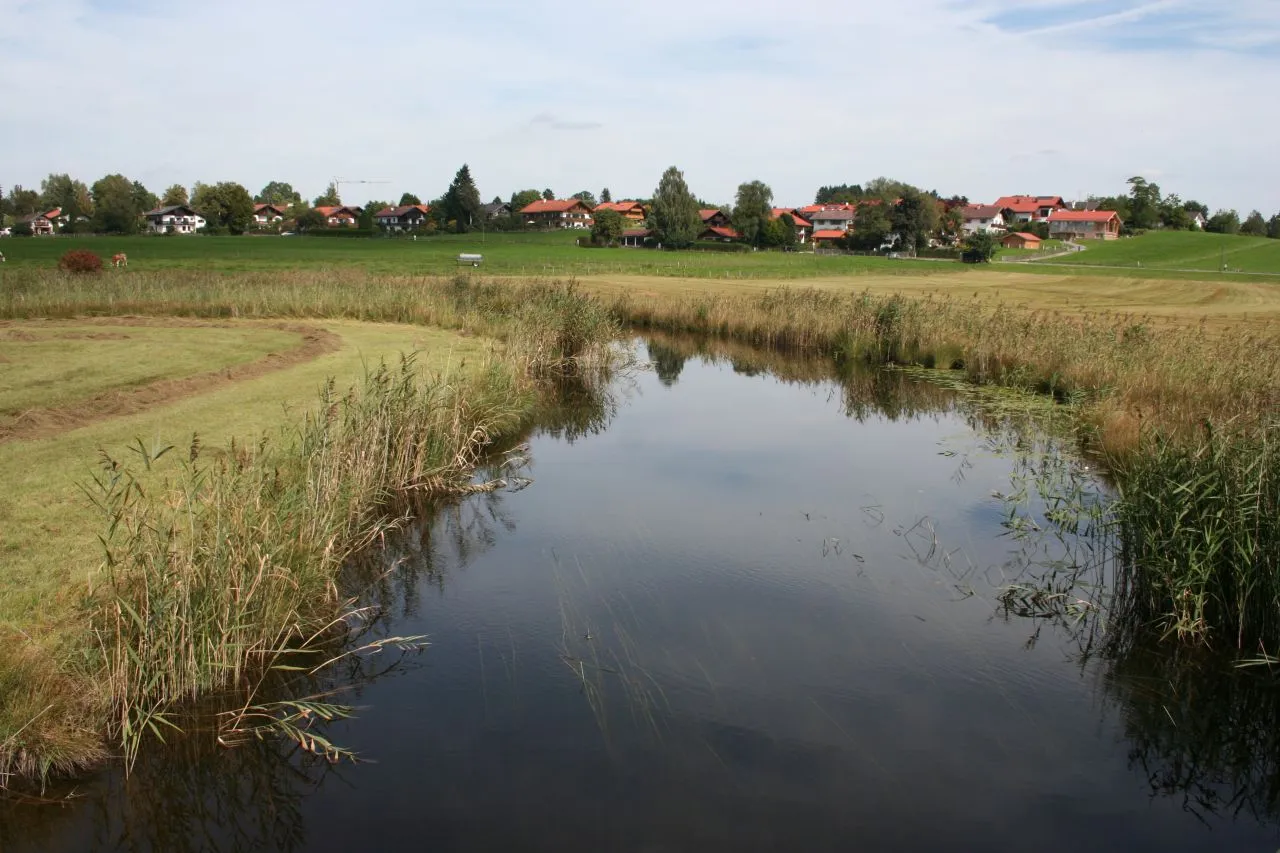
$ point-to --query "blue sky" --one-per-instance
(976, 97)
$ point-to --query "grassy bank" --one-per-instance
(1182, 250)
(218, 557)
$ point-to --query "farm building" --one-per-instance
(1020, 240)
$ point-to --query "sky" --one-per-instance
(980, 98)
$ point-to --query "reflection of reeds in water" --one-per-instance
(604, 656)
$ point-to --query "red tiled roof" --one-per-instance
(1030, 238)
(810, 209)
(1029, 203)
(620, 206)
(278, 208)
(710, 212)
(554, 205)
(1083, 216)
(828, 235)
(727, 233)
(794, 214)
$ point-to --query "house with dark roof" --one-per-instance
(636, 238)
(494, 209)
(833, 219)
(713, 218)
(173, 219)
(982, 217)
(405, 217)
(1085, 225)
(1029, 208)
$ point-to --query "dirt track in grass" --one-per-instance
(44, 422)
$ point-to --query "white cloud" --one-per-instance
(535, 94)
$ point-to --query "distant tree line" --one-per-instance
(889, 212)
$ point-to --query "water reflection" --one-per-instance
(722, 612)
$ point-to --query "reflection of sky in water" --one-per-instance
(771, 664)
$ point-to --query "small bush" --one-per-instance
(79, 261)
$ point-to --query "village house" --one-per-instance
(712, 218)
(1198, 222)
(636, 238)
(632, 211)
(1029, 208)
(557, 213)
(495, 209)
(982, 217)
(265, 215)
(804, 228)
(811, 210)
(833, 219)
(340, 215)
(46, 223)
(1020, 240)
(405, 217)
(1084, 225)
(173, 219)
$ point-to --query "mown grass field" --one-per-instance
(556, 255)
(48, 531)
(1182, 250)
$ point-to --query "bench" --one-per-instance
(473, 260)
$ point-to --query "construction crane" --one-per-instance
(338, 182)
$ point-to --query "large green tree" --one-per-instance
(605, 196)
(1254, 225)
(522, 199)
(22, 202)
(67, 193)
(409, 198)
(752, 211)
(871, 226)
(586, 197)
(116, 205)
(279, 193)
(461, 202)
(606, 227)
(1224, 222)
(226, 205)
(176, 194)
(1144, 203)
(328, 198)
(780, 233)
(914, 218)
(1273, 227)
(839, 194)
(143, 198)
(675, 219)
(980, 247)
(548, 194)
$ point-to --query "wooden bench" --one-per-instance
(473, 260)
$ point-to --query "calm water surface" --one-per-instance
(730, 613)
